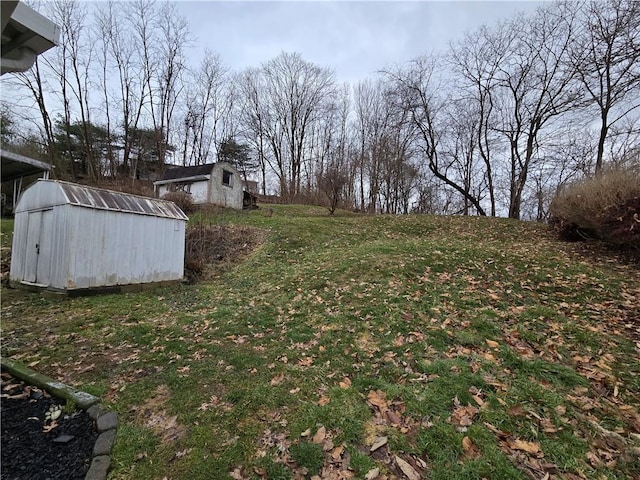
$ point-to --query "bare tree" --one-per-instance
(34, 82)
(249, 85)
(375, 123)
(605, 55)
(534, 83)
(209, 106)
(174, 39)
(296, 92)
(419, 92)
(477, 59)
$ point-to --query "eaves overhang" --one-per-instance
(25, 35)
(196, 178)
(15, 166)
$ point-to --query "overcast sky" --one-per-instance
(355, 39)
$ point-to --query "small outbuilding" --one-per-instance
(69, 237)
(215, 183)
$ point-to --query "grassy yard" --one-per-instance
(411, 346)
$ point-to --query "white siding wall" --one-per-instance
(198, 191)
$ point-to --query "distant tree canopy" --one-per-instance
(239, 155)
(7, 127)
(495, 125)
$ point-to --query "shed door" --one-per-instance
(38, 252)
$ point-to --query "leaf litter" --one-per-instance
(545, 313)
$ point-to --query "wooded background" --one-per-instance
(495, 125)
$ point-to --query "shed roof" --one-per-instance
(187, 172)
(46, 193)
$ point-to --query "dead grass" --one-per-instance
(210, 250)
(604, 207)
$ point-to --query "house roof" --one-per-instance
(55, 192)
(16, 166)
(187, 172)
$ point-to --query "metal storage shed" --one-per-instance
(70, 237)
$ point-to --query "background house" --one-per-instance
(215, 183)
(70, 237)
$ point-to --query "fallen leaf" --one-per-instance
(320, 435)
(470, 448)
(378, 442)
(277, 380)
(345, 383)
(407, 469)
(337, 452)
(492, 344)
(529, 447)
(323, 400)
(236, 474)
(378, 399)
(372, 474)
(515, 410)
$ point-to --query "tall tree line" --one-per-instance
(492, 126)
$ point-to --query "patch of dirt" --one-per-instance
(154, 416)
(36, 446)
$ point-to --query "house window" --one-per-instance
(227, 178)
(180, 187)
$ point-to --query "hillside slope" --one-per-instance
(410, 346)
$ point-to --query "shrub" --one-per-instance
(222, 245)
(606, 207)
(182, 200)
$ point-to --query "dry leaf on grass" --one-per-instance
(471, 451)
(407, 469)
(523, 445)
(345, 383)
(378, 442)
(277, 380)
(378, 399)
(372, 474)
(320, 435)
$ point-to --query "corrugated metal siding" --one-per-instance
(115, 249)
(100, 244)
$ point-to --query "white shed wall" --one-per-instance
(225, 195)
(197, 190)
(83, 247)
(114, 249)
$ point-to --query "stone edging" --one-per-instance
(106, 420)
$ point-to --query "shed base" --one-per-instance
(85, 292)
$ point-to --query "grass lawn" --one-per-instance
(411, 346)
